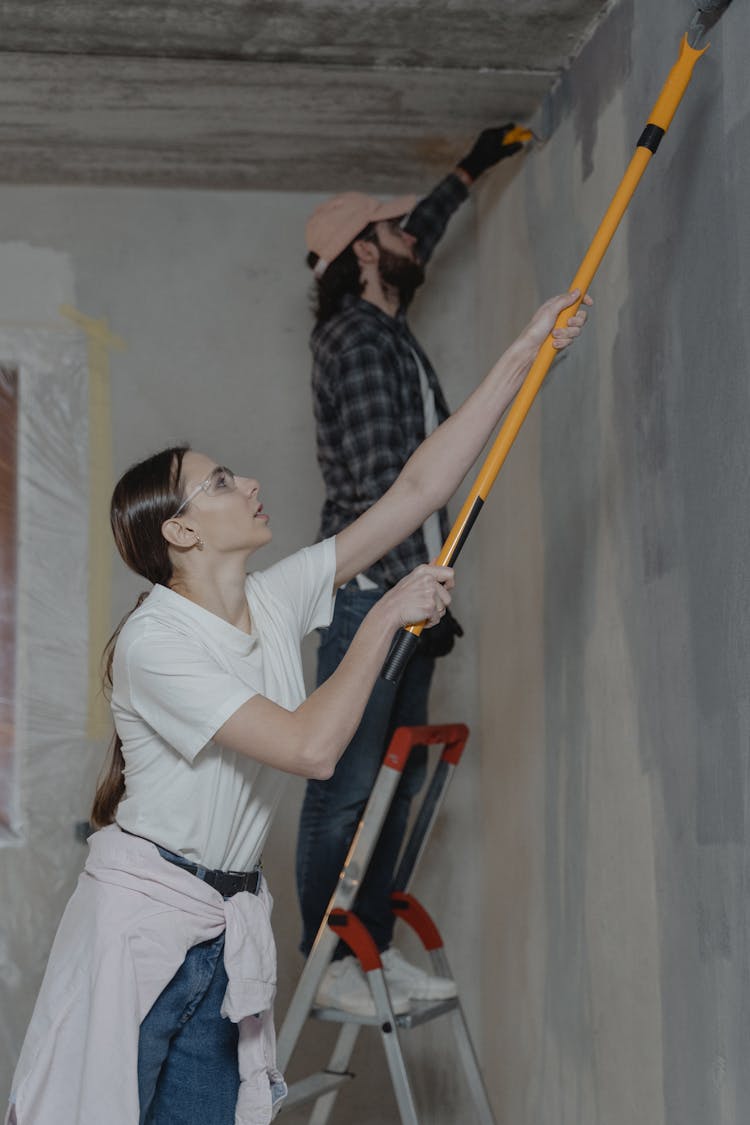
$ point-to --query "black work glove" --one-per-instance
(440, 638)
(488, 150)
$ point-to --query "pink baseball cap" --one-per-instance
(338, 221)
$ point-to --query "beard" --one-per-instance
(403, 274)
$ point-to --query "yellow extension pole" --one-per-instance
(658, 123)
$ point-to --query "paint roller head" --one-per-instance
(709, 12)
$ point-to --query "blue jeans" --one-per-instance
(332, 809)
(187, 1051)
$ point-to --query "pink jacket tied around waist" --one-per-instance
(123, 936)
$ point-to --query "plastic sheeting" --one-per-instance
(54, 766)
(8, 461)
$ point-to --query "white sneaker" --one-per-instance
(344, 987)
(415, 982)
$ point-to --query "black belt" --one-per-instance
(227, 883)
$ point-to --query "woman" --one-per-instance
(156, 1004)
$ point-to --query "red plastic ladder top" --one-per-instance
(453, 735)
(411, 911)
(356, 935)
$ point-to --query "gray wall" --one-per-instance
(614, 634)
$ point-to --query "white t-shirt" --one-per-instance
(179, 673)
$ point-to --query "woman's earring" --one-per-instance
(199, 542)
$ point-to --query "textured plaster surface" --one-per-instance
(510, 34)
(281, 94)
(620, 528)
(197, 123)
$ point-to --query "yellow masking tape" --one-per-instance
(100, 342)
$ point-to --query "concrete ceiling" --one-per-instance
(269, 94)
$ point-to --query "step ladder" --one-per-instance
(340, 923)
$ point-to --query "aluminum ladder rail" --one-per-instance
(340, 924)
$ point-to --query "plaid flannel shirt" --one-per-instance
(368, 402)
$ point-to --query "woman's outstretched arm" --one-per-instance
(435, 470)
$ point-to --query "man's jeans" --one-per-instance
(332, 809)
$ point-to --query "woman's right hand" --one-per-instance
(423, 595)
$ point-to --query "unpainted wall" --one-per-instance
(615, 625)
(210, 294)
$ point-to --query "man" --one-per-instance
(376, 398)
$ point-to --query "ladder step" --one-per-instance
(421, 1011)
(341, 923)
(314, 1086)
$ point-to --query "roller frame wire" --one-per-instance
(708, 14)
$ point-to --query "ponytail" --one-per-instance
(110, 787)
(148, 493)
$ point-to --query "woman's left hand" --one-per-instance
(543, 321)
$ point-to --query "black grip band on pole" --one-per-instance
(406, 642)
(651, 137)
(401, 652)
(470, 521)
